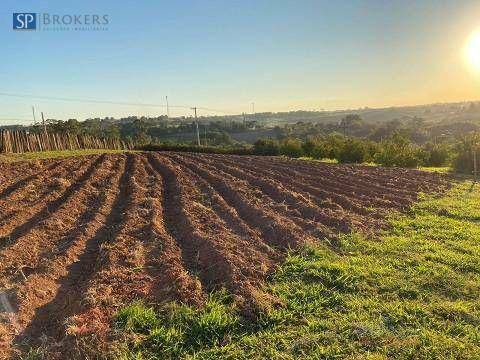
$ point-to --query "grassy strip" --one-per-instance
(412, 294)
(29, 156)
(439, 169)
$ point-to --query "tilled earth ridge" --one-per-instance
(81, 236)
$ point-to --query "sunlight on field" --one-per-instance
(439, 169)
(413, 293)
(327, 161)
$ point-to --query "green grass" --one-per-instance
(413, 293)
(439, 169)
(325, 160)
(177, 329)
(40, 155)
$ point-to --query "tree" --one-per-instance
(348, 121)
(352, 151)
(266, 147)
(398, 151)
(463, 161)
(292, 148)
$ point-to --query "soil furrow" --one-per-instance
(280, 194)
(19, 207)
(230, 216)
(52, 237)
(169, 280)
(197, 249)
(37, 283)
(401, 182)
(340, 184)
(345, 195)
(275, 202)
(53, 205)
(276, 231)
(342, 175)
(50, 318)
(17, 184)
(218, 262)
(124, 261)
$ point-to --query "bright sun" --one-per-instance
(472, 51)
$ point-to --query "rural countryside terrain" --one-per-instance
(240, 180)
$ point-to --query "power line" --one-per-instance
(16, 119)
(41, 97)
(166, 105)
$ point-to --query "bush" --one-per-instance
(292, 148)
(352, 151)
(320, 151)
(435, 154)
(266, 147)
(371, 148)
(333, 145)
(463, 160)
(308, 147)
(398, 151)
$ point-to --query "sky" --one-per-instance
(225, 55)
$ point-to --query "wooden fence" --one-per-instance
(22, 141)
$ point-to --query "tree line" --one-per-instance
(408, 142)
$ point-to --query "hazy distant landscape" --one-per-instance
(443, 119)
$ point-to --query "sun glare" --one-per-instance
(472, 51)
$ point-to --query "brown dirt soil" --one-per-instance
(80, 237)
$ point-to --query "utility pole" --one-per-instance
(244, 121)
(44, 125)
(168, 109)
(33, 112)
(196, 125)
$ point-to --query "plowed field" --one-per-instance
(81, 236)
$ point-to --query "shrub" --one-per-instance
(435, 154)
(292, 148)
(371, 148)
(352, 151)
(463, 160)
(308, 147)
(333, 145)
(398, 151)
(266, 147)
(320, 151)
